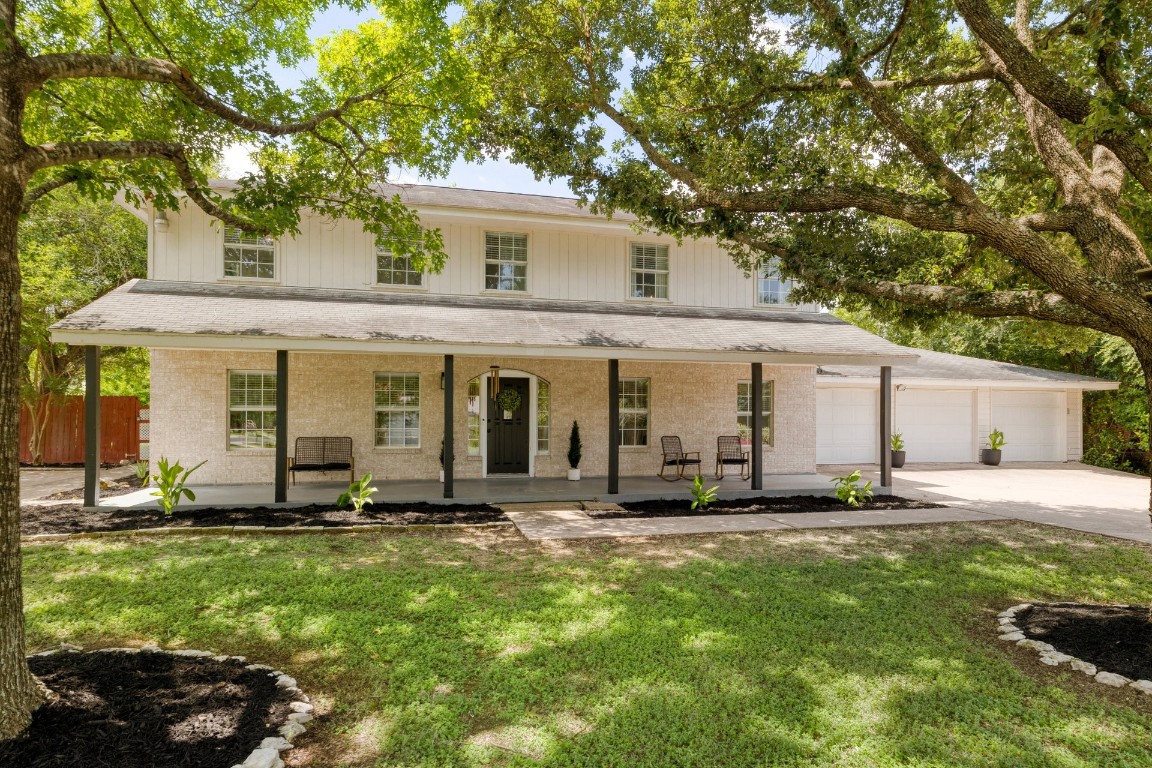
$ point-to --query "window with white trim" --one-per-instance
(397, 410)
(473, 409)
(649, 270)
(505, 261)
(634, 403)
(251, 409)
(248, 255)
(543, 416)
(771, 288)
(744, 412)
(396, 269)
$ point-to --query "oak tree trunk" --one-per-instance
(20, 692)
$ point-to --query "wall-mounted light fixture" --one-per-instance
(493, 381)
(161, 220)
(441, 379)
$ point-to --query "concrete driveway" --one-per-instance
(1068, 495)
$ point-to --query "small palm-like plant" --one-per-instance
(170, 482)
(359, 493)
(849, 490)
(701, 496)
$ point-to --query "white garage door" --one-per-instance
(1032, 423)
(846, 426)
(937, 424)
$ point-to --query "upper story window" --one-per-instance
(394, 269)
(248, 255)
(505, 261)
(771, 288)
(649, 271)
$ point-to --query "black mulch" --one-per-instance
(122, 486)
(72, 519)
(774, 505)
(145, 710)
(1116, 638)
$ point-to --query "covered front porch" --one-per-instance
(317, 355)
(489, 490)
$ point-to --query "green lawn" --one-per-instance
(825, 648)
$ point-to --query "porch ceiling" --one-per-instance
(151, 313)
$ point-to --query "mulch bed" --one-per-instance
(1116, 638)
(122, 486)
(36, 519)
(770, 505)
(138, 710)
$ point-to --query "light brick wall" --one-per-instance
(332, 394)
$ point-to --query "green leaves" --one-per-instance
(359, 493)
(701, 496)
(849, 490)
(170, 482)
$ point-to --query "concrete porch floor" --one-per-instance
(491, 490)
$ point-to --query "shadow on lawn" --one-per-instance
(803, 648)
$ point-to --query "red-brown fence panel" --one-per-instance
(63, 441)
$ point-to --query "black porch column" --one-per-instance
(757, 426)
(91, 426)
(449, 448)
(885, 425)
(281, 426)
(613, 426)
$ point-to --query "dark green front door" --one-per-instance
(508, 432)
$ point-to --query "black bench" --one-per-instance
(322, 454)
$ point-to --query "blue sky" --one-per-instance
(499, 176)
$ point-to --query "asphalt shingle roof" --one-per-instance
(946, 366)
(466, 324)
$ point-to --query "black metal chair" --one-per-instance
(676, 456)
(729, 452)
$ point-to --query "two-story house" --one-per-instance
(544, 315)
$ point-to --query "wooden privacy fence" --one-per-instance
(63, 441)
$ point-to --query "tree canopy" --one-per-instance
(921, 156)
(140, 99)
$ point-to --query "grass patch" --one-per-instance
(466, 648)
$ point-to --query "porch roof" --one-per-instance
(150, 313)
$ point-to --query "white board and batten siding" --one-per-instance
(574, 260)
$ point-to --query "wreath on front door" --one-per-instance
(508, 400)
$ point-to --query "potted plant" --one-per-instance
(991, 454)
(441, 461)
(574, 452)
(898, 453)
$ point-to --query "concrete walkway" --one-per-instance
(37, 482)
(550, 522)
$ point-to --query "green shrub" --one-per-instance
(896, 441)
(996, 440)
(575, 447)
(170, 482)
(141, 468)
(358, 494)
(849, 490)
(701, 496)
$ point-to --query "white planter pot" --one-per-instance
(574, 474)
(441, 475)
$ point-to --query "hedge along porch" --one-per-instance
(330, 368)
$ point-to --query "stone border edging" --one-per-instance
(228, 530)
(267, 754)
(1052, 657)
